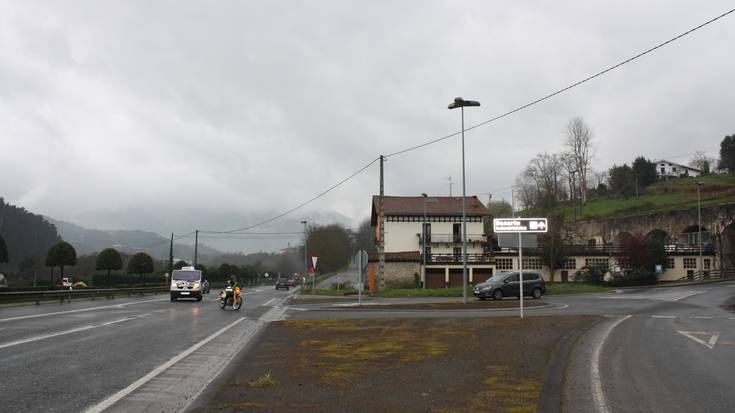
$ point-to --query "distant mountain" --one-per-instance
(181, 221)
(87, 241)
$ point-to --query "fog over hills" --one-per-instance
(133, 230)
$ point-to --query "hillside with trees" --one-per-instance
(27, 236)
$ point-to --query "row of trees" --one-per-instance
(551, 178)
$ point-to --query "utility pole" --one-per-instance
(449, 178)
(196, 245)
(171, 256)
(381, 244)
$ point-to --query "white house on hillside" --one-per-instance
(667, 169)
(435, 258)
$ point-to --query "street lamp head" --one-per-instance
(303, 222)
(459, 102)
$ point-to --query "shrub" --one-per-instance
(590, 275)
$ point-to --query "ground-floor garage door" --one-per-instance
(455, 277)
(480, 275)
(435, 278)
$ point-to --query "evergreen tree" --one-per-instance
(109, 259)
(60, 255)
(727, 154)
(3, 251)
(140, 263)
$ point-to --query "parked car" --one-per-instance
(508, 285)
(282, 282)
(292, 282)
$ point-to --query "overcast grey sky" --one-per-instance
(223, 112)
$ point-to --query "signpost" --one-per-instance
(313, 275)
(520, 226)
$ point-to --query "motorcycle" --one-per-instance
(230, 296)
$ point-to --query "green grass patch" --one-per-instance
(420, 292)
(661, 197)
(575, 288)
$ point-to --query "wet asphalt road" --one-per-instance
(70, 357)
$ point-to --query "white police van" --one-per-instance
(186, 283)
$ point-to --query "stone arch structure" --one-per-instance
(658, 235)
(727, 247)
(718, 220)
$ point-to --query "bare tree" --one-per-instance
(579, 142)
(701, 161)
(542, 181)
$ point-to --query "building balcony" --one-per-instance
(451, 239)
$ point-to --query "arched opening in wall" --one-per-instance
(690, 238)
(621, 238)
(727, 255)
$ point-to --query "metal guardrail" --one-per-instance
(68, 295)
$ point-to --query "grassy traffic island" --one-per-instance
(401, 365)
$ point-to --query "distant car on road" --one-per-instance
(508, 285)
(67, 282)
(282, 282)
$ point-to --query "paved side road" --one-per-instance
(145, 354)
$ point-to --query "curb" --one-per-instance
(551, 391)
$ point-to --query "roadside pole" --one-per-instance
(359, 277)
(520, 268)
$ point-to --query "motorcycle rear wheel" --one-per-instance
(222, 304)
(237, 303)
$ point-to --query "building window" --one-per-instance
(504, 263)
(670, 262)
(706, 264)
(601, 263)
(458, 252)
(569, 264)
(532, 263)
(690, 263)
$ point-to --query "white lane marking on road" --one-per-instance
(713, 336)
(73, 330)
(597, 393)
(700, 317)
(688, 295)
(143, 380)
(268, 302)
(663, 316)
(298, 309)
(79, 310)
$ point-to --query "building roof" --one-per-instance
(678, 164)
(435, 206)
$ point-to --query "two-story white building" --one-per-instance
(423, 240)
(667, 169)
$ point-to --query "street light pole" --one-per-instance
(461, 103)
(306, 260)
(699, 224)
(423, 248)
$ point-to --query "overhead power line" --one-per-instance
(498, 117)
(301, 205)
(564, 89)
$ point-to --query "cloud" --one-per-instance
(239, 108)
